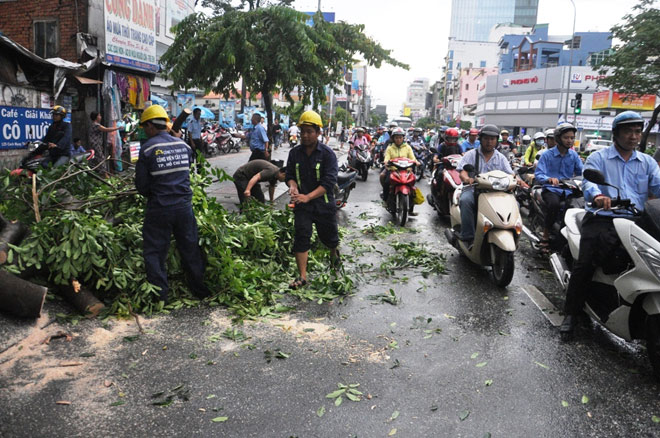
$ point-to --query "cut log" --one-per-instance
(81, 299)
(20, 297)
(11, 232)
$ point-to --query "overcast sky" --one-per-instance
(417, 31)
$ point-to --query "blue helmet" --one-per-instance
(627, 118)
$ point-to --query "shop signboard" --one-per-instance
(177, 10)
(130, 34)
(227, 113)
(184, 100)
(19, 125)
(633, 102)
(600, 100)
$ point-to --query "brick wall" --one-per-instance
(17, 17)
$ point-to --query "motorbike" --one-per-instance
(535, 210)
(624, 293)
(38, 158)
(422, 154)
(345, 183)
(360, 160)
(498, 224)
(293, 141)
(400, 200)
(223, 141)
(444, 182)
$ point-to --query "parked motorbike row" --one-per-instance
(221, 140)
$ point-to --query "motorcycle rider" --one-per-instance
(505, 145)
(524, 142)
(534, 148)
(359, 140)
(450, 146)
(472, 142)
(558, 163)
(294, 130)
(418, 145)
(397, 149)
(58, 138)
(550, 138)
(635, 174)
(489, 159)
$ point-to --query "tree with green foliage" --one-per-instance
(634, 65)
(377, 119)
(271, 49)
(340, 116)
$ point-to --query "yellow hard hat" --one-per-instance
(58, 109)
(311, 118)
(154, 112)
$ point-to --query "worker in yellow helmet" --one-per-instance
(311, 174)
(162, 175)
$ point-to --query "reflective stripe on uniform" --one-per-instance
(175, 169)
(170, 143)
(298, 175)
(318, 178)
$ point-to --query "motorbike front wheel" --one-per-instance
(401, 208)
(653, 343)
(503, 267)
(364, 171)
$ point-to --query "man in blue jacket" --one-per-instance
(162, 175)
(58, 137)
(637, 175)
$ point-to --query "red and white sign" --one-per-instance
(508, 82)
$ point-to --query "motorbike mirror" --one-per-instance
(469, 168)
(595, 176)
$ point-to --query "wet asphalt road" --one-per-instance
(456, 357)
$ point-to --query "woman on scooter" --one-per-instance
(397, 149)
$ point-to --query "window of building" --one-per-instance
(575, 42)
(467, 87)
(45, 38)
(465, 101)
(482, 64)
(451, 54)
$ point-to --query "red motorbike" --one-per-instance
(445, 181)
(400, 200)
(38, 158)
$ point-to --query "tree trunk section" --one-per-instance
(268, 104)
(647, 131)
(19, 297)
(10, 233)
(81, 299)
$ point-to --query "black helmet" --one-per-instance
(562, 128)
(490, 130)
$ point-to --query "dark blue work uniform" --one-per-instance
(162, 175)
(318, 169)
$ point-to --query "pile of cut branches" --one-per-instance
(88, 230)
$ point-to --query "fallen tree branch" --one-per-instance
(35, 198)
(20, 297)
(10, 233)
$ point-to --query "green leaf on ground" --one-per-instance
(464, 414)
(564, 403)
(220, 419)
(392, 432)
(320, 411)
(336, 393)
(395, 415)
(585, 399)
(338, 401)
(131, 338)
(481, 364)
(474, 355)
(210, 396)
(87, 354)
(655, 419)
(118, 403)
(434, 408)
(542, 365)
(488, 382)
(352, 397)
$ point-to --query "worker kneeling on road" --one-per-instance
(311, 175)
(162, 175)
(248, 176)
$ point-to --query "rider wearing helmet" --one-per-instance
(58, 137)
(450, 146)
(397, 149)
(550, 138)
(311, 174)
(162, 175)
(471, 142)
(534, 148)
(558, 163)
(636, 175)
(485, 159)
(505, 145)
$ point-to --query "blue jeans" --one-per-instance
(467, 204)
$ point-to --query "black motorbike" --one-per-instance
(360, 159)
(345, 183)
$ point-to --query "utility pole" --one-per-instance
(570, 64)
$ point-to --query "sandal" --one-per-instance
(298, 283)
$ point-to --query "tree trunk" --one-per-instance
(268, 104)
(20, 297)
(647, 131)
(81, 299)
(10, 233)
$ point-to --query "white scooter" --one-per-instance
(623, 299)
(498, 224)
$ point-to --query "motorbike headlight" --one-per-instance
(499, 183)
(649, 254)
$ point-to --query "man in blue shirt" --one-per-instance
(635, 174)
(472, 142)
(258, 140)
(558, 163)
(489, 159)
(195, 132)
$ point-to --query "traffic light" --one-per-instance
(578, 103)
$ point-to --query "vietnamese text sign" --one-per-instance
(227, 112)
(130, 34)
(177, 10)
(19, 125)
(600, 100)
(633, 102)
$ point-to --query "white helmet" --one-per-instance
(526, 138)
(398, 131)
(539, 135)
(393, 124)
(549, 133)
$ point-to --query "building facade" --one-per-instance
(415, 103)
(472, 20)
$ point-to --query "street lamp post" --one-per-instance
(570, 65)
